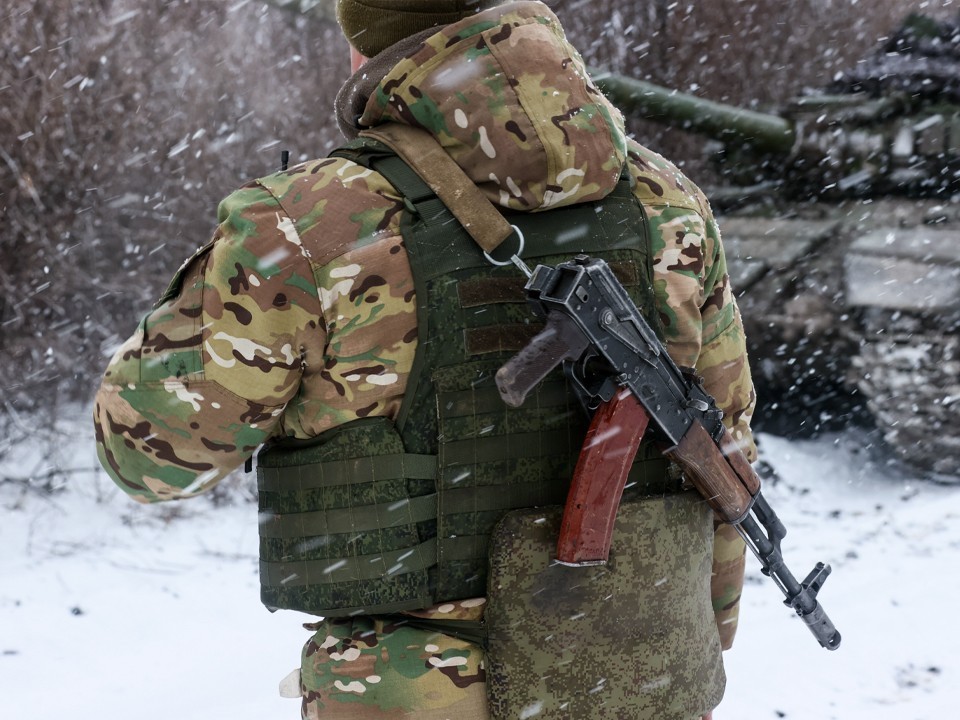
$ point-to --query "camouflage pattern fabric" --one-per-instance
(371, 669)
(567, 643)
(726, 584)
(299, 315)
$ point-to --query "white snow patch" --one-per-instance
(93, 583)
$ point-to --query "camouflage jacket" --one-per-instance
(299, 315)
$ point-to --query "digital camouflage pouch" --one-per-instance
(635, 638)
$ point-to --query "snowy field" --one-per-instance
(111, 610)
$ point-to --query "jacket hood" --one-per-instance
(510, 101)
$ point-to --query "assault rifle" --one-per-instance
(620, 368)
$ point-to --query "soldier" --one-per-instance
(329, 322)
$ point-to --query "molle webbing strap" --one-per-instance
(483, 291)
(346, 472)
(500, 338)
(421, 151)
(298, 573)
(365, 518)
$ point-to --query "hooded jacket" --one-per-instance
(299, 315)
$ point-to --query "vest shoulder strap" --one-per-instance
(427, 159)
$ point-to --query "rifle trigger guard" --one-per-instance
(515, 258)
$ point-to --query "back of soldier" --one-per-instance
(318, 322)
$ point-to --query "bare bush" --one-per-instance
(123, 122)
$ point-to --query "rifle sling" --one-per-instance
(466, 201)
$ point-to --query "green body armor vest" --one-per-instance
(377, 517)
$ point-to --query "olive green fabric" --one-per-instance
(494, 458)
(347, 522)
(380, 517)
(634, 638)
(372, 26)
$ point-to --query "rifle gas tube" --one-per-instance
(621, 370)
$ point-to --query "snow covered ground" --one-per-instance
(112, 610)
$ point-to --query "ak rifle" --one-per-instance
(624, 374)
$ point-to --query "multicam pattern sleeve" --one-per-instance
(207, 374)
(699, 314)
(297, 317)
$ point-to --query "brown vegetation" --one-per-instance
(123, 122)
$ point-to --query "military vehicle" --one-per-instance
(841, 220)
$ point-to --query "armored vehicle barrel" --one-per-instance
(768, 133)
